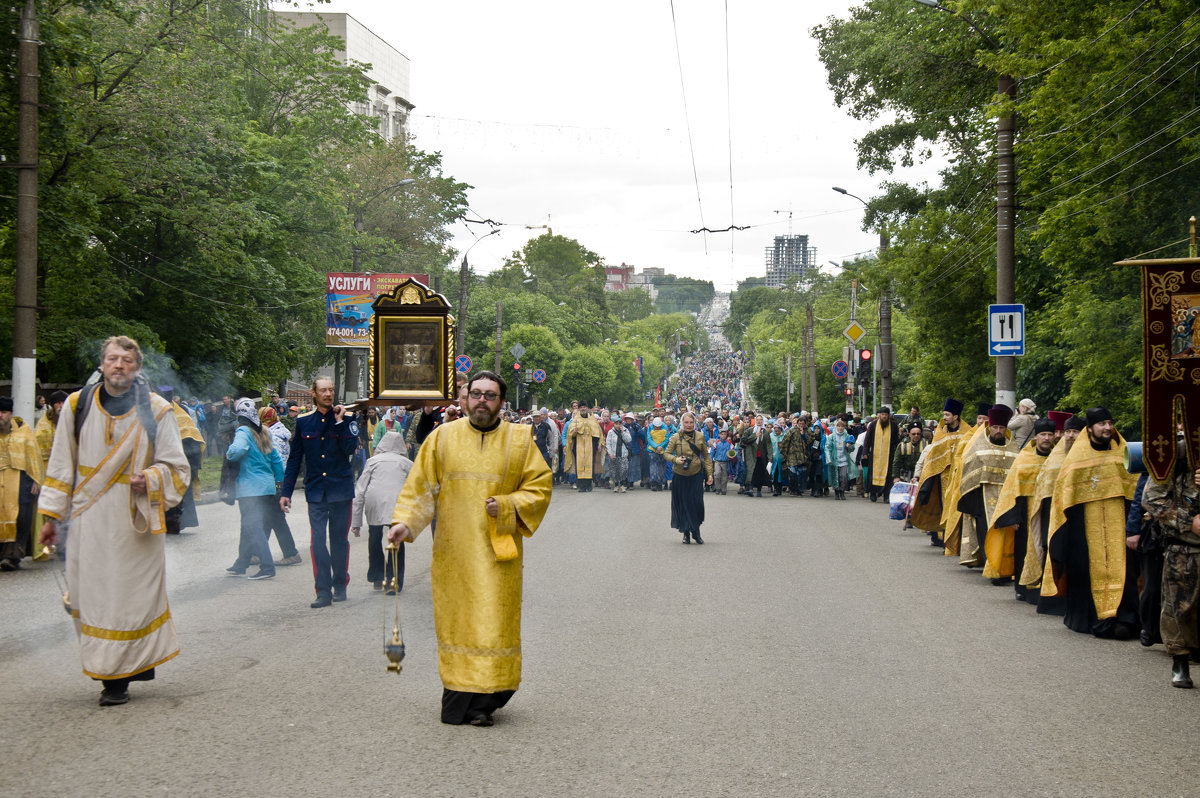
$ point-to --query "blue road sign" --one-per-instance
(1006, 330)
(840, 369)
(462, 363)
(539, 375)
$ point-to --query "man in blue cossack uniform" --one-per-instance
(325, 439)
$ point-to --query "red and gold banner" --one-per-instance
(1171, 360)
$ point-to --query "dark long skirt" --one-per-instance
(687, 502)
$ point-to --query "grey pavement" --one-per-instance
(809, 648)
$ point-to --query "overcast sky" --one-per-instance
(572, 115)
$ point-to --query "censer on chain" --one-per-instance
(393, 647)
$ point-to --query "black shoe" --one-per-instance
(697, 538)
(323, 600)
(481, 720)
(339, 595)
(687, 538)
(874, 496)
(115, 696)
(1180, 675)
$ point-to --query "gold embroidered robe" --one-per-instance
(938, 478)
(18, 452)
(1021, 483)
(477, 559)
(116, 565)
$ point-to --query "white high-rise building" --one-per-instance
(387, 97)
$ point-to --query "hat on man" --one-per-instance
(953, 406)
(58, 396)
(1095, 415)
(1059, 418)
(6, 404)
(982, 408)
(999, 415)
(1076, 423)
(1044, 425)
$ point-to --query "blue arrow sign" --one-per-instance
(1006, 330)
(840, 369)
(462, 363)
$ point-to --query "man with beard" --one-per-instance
(879, 451)
(1067, 429)
(112, 475)
(1087, 551)
(583, 438)
(1017, 518)
(986, 463)
(936, 509)
(21, 477)
(489, 487)
(907, 453)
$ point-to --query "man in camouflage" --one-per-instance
(1173, 504)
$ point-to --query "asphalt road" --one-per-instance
(809, 648)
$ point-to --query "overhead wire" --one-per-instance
(687, 119)
(729, 134)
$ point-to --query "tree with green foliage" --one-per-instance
(202, 222)
(588, 375)
(631, 304)
(1107, 168)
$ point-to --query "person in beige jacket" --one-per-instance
(693, 467)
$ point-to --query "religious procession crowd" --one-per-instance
(1044, 504)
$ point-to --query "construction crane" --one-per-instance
(789, 213)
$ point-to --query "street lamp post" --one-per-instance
(1006, 179)
(461, 332)
(886, 361)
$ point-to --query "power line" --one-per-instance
(688, 120)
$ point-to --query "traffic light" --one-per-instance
(848, 390)
(864, 366)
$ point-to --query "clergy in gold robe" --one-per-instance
(1087, 552)
(1016, 517)
(489, 487)
(583, 439)
(21, 475)
(985, 467)
(109, 492)
(879, 451)
(183, 515)
(933, 506)
(1036, 567)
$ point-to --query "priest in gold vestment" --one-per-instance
(583, 441)
(21, 474)
(1087, 552)
(1017, 518)
(1037, 569)
(935, 504)
(985, 466)
(490, 487)
(110, 490)
(879, 452)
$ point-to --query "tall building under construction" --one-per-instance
(789, 256)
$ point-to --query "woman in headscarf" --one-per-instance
(689, 456)
(656, 443)
(838, 459)
(259, 469)
(275, 520)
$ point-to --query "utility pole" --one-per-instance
(24, 363)
(787, 402)
(812, 361)
(498, 333)
(1006, 176)
(853, 347)
(461, 332)
(886, 359)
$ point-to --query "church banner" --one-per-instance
(1171, 360)
(348, 298)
